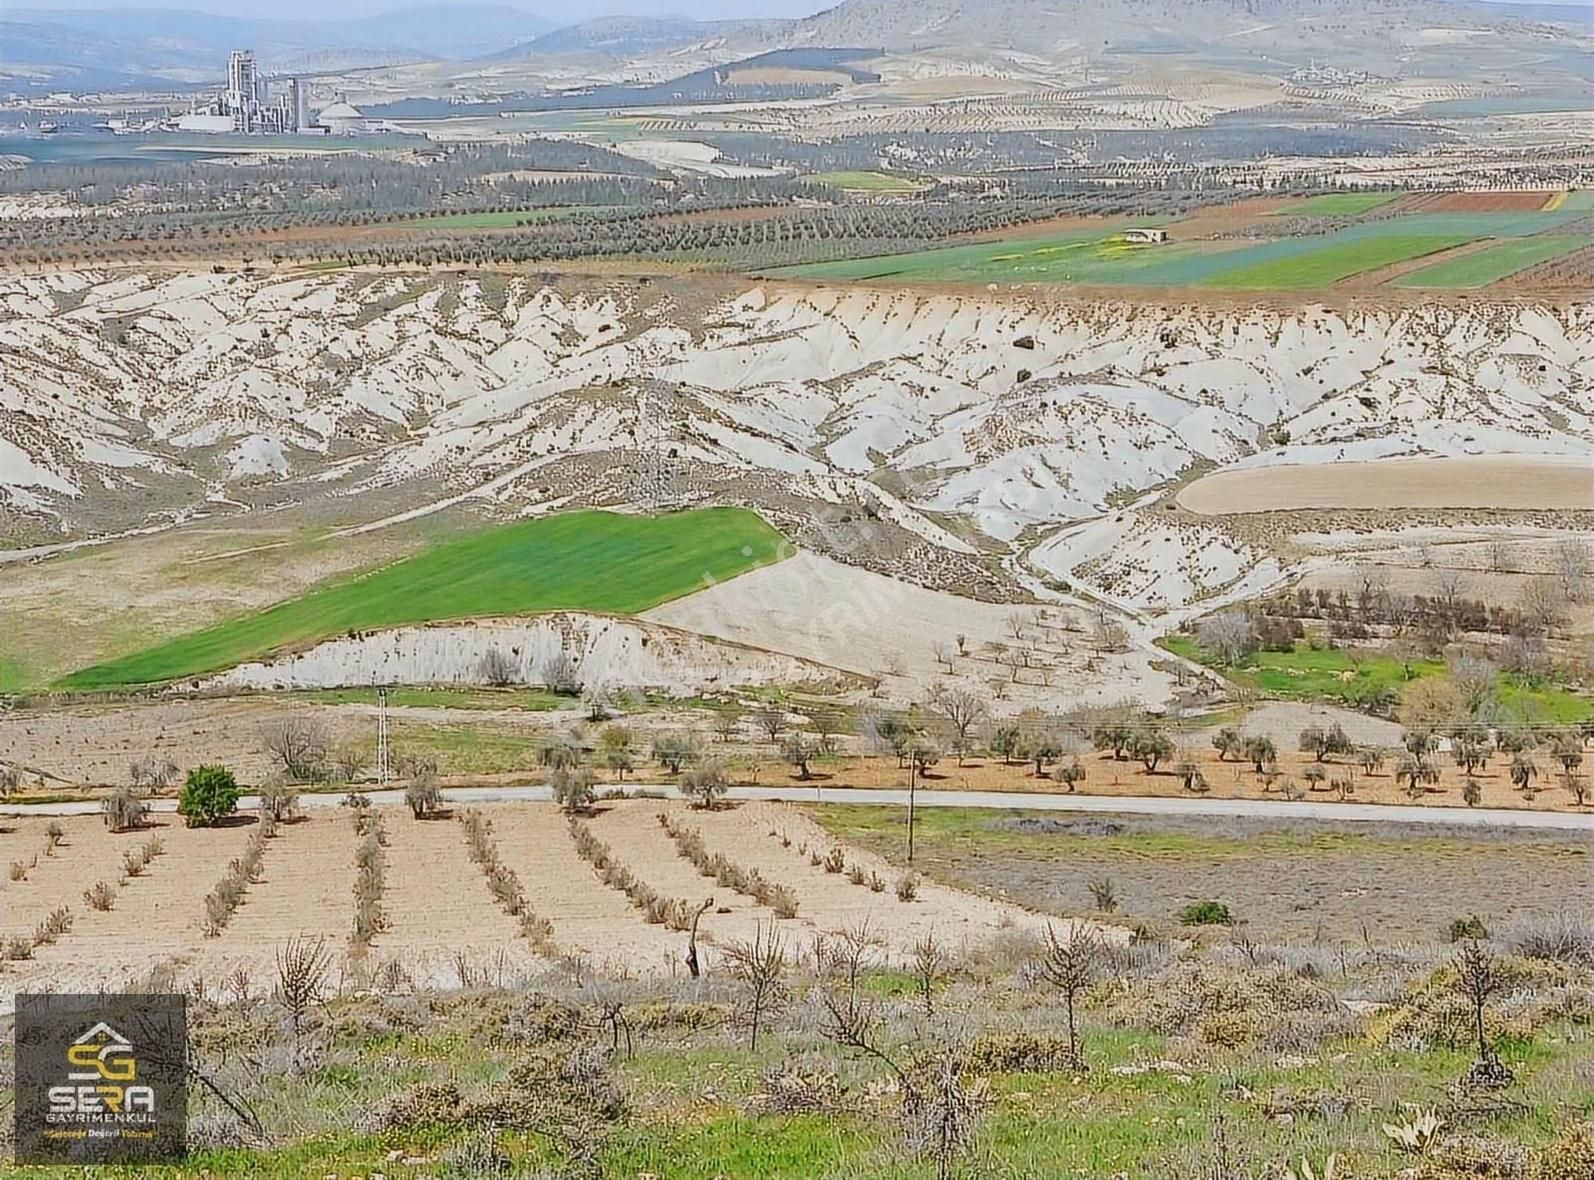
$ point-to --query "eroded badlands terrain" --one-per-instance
(994, 444)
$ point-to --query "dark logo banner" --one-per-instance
(101, 1079)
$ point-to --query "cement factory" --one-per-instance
(248, 106)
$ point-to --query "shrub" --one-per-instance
(806, 1084)
(835, 860)
(689, 844)
(1563, 938)
(279, 802)
(135, 860)
(1462, 929)
(370, 876)
(99, 896)
(422, 795)
(707, 783)
(1571, 1157)
(209, 793)
(426, 1105)
(1226, 1030)
(56, 923)
(572, 788)
(1206, 913)
(123, 810)
(1018, 1052)
(907, 886)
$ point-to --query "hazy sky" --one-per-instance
(554, 10)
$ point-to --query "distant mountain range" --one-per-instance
(89, 49)
(137, 46)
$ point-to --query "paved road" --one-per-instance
(1376, 813)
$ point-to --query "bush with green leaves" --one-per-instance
(209, 794)
(1206, 913)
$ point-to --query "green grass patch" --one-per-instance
(1083, 256)
(1332, 262)
(497, 219)
(1578, 201)
(595, 561)
(1335, 205)
(1482, 267)
(874, 182)
(1355, 677)
(536, 700)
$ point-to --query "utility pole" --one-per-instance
(383, 767)
(913, 768)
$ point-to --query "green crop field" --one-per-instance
(1336, 205)
(1489, 265)
(597, 561)
(1333, 262)
(865, 181)
(1094, 255)
(1097, 256)
(1578, 201)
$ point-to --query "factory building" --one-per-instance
(246, 105)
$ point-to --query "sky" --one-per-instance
(557, 11)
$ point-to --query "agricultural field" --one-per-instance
(1385, 230)
(1274, 974)
(1329, 264)
(589, 561)
(1489, 265)
(307, 887)
(1357, 678)
(1337, 204)
(503, 219)
(871, 182)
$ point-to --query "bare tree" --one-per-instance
(1542, 604)
(727, 722)
(152, 774)
(1228, 637)
(772, 720)
(351, 759)
(421, 794)
(759, 965)
(1498, 555)
(1479, 978)
(299, 746)
(929, 969)
(303, 966)
(279, 802)
(943, 654)
(964, 711)
(1071, 965)
(498, 668)
(1572, 562)
(692, 965)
